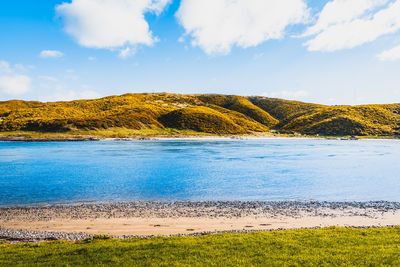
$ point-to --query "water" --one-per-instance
(276, 169)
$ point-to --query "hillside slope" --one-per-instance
(313, 119)
(214, 114)
(133, 111)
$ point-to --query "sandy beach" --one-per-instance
(183, 218)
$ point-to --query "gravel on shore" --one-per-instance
(209, 209)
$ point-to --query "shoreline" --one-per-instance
(151, 218)
(194, 138)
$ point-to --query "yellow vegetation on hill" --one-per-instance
(216, 114)
(283, 109)
(249, 124)
(201, 119)
(242, 105)
(132, 111)
(346, 120)
(313, 119)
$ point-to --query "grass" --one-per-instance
(318, 247)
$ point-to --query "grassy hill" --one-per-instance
(306, 118)
(165, 113)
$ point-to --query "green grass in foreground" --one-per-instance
(329, 246)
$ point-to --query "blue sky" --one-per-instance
(331, 52)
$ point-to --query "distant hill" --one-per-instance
(214, 114)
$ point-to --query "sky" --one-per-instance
(328, 52)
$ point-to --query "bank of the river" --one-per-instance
(148, 218)
(130, 135)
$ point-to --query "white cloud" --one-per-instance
(287, 94)
(48, 78)
(58, 89)
(5, 67)
(91, 58)
(11, 82)
(217, 25)
(51, 54)
(127, 52)
(71, 95)
(340, 11)
(15, 84)
(390, 55)
(110, 24)
(20, 67)
(348, 30)
(87, 94)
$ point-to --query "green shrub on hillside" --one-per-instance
(345, 120)
(283, 109)
(242, 120)
(201, 119)
(242, 105)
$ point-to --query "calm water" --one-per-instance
(32, 173)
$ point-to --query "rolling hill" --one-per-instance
(213, 114)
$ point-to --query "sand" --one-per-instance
(175, 226)
(181, 218)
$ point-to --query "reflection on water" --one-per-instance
(35, 172)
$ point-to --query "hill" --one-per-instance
(212, 114)
(312, 119)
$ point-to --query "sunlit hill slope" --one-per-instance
(214, 114)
